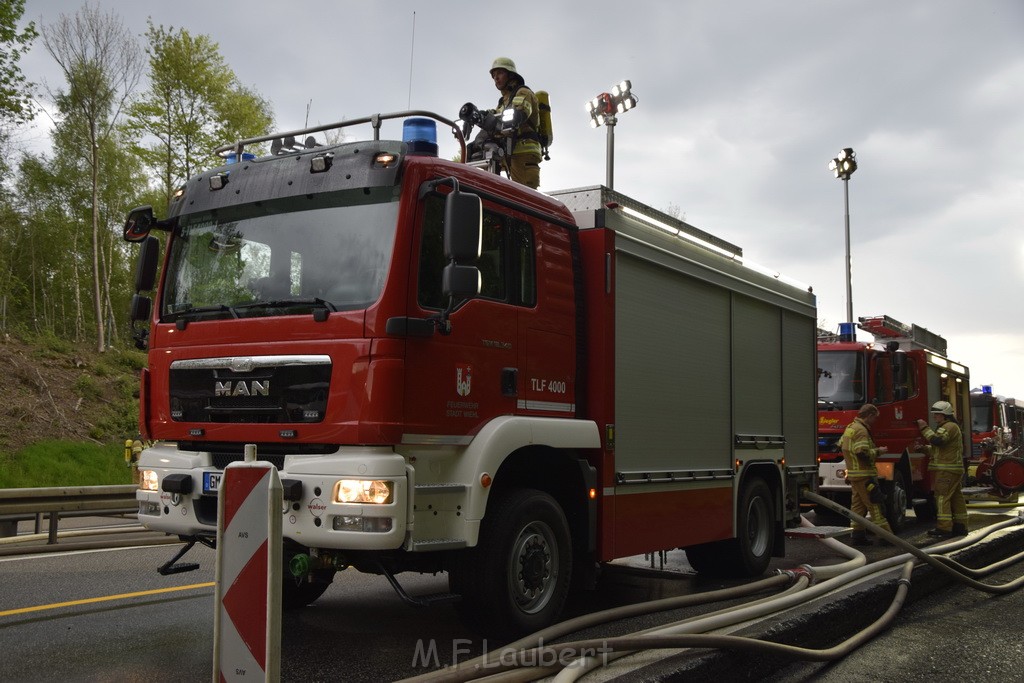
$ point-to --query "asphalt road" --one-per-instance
(135, 625)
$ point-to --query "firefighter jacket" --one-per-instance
(947, 447)
(527, 141)
(859, 451)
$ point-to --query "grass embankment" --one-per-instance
(66, 412)
(64, 463)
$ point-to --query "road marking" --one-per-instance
(106, 598)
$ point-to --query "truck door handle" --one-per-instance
(510, 382)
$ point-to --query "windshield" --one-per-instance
(273, 260)
(840, 379)
(981, 414)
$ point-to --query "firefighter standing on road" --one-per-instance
(524, 164)
(859, 452)
(946, 462)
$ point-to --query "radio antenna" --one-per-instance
(412, 52)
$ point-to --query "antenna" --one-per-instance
(412, 52)
(308, 105)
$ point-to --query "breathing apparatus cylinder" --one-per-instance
(545, 131)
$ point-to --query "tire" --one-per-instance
(896, 503)
(515, 581)
(750, 552)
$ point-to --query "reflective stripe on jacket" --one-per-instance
(523, 99)
(859, 450)
(947, 449)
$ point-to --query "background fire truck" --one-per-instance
(453, 372)
(903, 371)
(997, 434)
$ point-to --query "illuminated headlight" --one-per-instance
(368, 524)
(373, 491)
(149, 480)
(841, 474)
(385, 159)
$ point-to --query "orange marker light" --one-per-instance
(485, 480)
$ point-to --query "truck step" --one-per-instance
(418, 600)
(817, 531)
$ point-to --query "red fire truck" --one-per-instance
(997, 431)
(904, 371)
(453, 372)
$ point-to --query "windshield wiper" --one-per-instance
(200, 310)
(291, 303)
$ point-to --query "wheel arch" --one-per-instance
(538, 453)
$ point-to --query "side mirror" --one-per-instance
(145, 273)
(141, 309)
(140, 222)
(460, 281)
(463, 226)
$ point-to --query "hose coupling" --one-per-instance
(903, 582)
(794, 574)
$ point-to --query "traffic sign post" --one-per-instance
(247, 608)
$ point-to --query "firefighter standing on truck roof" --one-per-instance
(524, 164)
(859, 452)
(946, 461)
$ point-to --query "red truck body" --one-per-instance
(620, 383)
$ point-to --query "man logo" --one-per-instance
(242, 388)
(463, 379)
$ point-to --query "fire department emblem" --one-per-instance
(463, 378)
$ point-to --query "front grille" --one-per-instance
(269, 390)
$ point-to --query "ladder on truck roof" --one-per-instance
(914, 336)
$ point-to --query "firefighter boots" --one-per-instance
(860, 538)
(959, 529)
(942, 533)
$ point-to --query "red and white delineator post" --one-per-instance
(247, 608)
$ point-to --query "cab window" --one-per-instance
(506, 263)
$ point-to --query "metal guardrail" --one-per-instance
(20, 504)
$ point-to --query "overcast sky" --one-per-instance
(741, 106)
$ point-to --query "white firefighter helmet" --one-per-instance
(943, 407)
(504, 63)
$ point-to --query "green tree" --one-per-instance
(195, 103)
(102, 65)
(15, 91)
(48, 253)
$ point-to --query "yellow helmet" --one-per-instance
(504, 63)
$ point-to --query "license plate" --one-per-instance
(211, 481)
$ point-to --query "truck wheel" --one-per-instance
(896, 503)
(515, 581)
(299, 592)
(750, 552)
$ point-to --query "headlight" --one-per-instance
(372, 491)
(149, 480)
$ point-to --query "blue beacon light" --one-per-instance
(420, 135)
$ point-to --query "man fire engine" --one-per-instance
(904, 371)
(453, 372)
